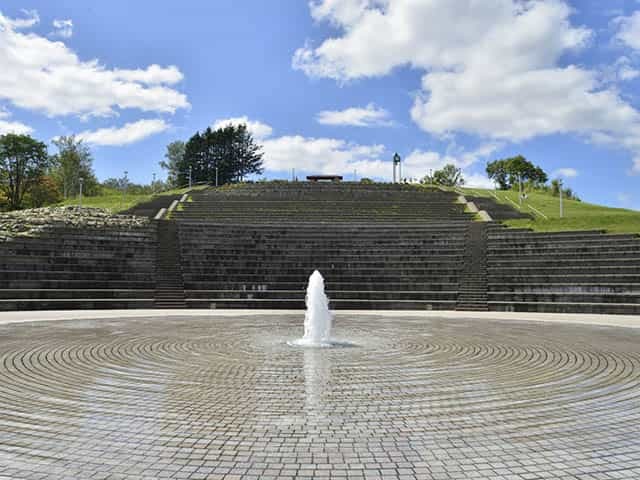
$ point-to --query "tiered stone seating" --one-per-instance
(293, 203)
(78, 267)
(381, 246)
(582, 272)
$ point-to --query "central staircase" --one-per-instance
(169, 282)
(472, 292)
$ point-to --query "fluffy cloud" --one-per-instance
(63, 28)
(125, 135)
(258, 129)
(7, 126)
(478, 80)
(338, 156)
(46, 76)
(30, 19)
(324, 155)
(565, 173)
(418, 163)
(629, 30)
(370, 116)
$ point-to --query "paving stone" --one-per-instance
(221, 397)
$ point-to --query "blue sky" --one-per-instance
(335, 86)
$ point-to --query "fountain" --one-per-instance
(318, 318)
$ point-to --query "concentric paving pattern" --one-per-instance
(227, 398)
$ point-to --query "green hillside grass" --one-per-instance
(113, 200)
(577, 215)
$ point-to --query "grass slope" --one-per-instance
(113, 200)
(577, 215)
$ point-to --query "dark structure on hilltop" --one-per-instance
(379, 246)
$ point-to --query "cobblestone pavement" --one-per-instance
(226, 398)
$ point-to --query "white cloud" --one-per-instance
(14, 127)
(477, 79)
(125, 135)
(63, 28)
(565, 173)
(7, 126)
(370, 116)
(623, 70)
(420, 163)
(31, 19)
(324, 156)
(152, 75)
(48, 77)
(258, 129)
(629, 30)
(337, 156)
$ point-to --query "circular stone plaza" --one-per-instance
(417, 396)
(134, 348)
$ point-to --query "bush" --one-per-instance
(44, 192)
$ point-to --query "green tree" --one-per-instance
(228, 153)
(174, 159)
(72, 162)
(568, 193)
(448, 176)
(44, 192)
(508, 172)
(23, 161)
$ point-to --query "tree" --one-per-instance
(174, 159)
(246, 154)
(44, 192)
(509, 172)
(72, 162)
(448, 176)
(228, 154)
(568, 193)
(23, 160)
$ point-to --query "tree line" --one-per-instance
(225, 155)
(31, 177)
(507, 173)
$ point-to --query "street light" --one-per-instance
(125, 180)
(561, 205)
(81, 180)
(153, 183)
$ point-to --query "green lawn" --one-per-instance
(114, 201)
(577, 215)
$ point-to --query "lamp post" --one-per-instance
(561, 204)
(396, 162)
(216, 176)
(81, 180)
(520, 183)
(125, 180)
(153, 184)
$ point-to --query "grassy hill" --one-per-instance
(577, 215)
(113, 200)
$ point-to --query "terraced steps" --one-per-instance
(169, 292)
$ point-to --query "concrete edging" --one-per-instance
(625, 321)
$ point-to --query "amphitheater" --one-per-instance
(134, 348)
